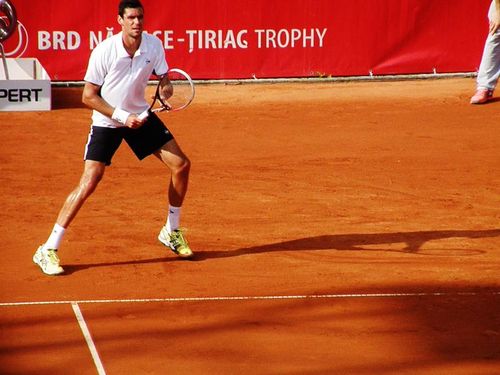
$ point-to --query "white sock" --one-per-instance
(174, 218)
(55, 237)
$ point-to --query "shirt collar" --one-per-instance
(122, 52)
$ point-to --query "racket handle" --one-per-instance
(144, 115)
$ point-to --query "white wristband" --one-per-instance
(143, 115)
(120, 115)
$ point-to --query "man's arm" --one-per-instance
(93, 100)
(495, 20)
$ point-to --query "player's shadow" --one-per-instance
(72, 268)
(412, 242)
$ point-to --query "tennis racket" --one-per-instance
(173, 95)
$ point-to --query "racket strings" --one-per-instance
(163, 102)
(181, 94)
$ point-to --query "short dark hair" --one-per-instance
(128, 4)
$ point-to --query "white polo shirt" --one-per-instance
(123, 79)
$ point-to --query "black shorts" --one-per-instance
(149, 138)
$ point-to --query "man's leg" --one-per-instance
(46, 255)
(489, 69)
(178, 163)
(92, 175)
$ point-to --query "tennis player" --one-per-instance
(117, 74)
(489, 69)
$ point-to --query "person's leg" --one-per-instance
(92, 175)
(46, 255)
(153, 138)
(489, 69)
(179, 164)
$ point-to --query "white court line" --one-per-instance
(88, 339)
(256, 298)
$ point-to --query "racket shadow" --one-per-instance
(412, 242)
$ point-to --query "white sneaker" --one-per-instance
(481, 96)
(48, 261)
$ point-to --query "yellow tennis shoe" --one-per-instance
(176, 242)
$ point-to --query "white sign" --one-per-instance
(28, 89)
(23, 95)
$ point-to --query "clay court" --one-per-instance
(339, 228)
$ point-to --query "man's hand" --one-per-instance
(133, 121)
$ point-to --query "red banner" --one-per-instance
(266, 38)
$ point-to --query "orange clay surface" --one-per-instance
(373, 207)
